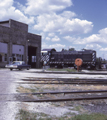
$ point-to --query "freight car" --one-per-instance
(67, 58)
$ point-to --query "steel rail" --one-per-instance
(59, 99)
(66, 80)
(89, 73)
(101, 83)
(63, 79)
(59, 92)
(54, 79)
(67, 99)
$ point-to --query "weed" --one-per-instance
(24, 115)
(78, 108)
(90, 117)
(63, 69)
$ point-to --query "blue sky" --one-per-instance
(62, 23)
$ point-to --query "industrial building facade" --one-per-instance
(16, 44)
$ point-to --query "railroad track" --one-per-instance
(67, 99)
(89, 73)
(24, 97)
(55, 96)
(63, 81)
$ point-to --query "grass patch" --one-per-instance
(25, 90)
(25, 115)
(90, 117)
(78, 108)
(71, 70)
(63, 69)
(22, 89)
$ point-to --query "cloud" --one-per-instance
(35, 7)
(60, 24)
(74, 40)
(77, 26)
(93, 46)
(103, 49)
(97, 38)
(56, 46)
(47, 38)
(7, 11)
(43, 35)
(5, 4)
(94, 38)
(55, 39)
(71, 39)
(68, 14)
(51, 34)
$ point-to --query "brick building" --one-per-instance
(16, 44)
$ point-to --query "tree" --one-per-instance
(71, 49)
(64, 49)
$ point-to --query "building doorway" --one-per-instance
(32, 56)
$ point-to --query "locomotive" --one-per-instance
(67, 58)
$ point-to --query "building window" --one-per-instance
(14, 58)
(0, 58)
(13, 55)
(22, 57)
(17, 55)
(5, 57)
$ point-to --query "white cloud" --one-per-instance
(97, 38)
(94, 38)
(48, 22)
(58, 23)
(55, 39)
(56, 46)
(68, 14)
(51, 34)
(47, 38)
(43, 35)
(70, 39)
(93, 46)
(103, 49)
(5, 4)
(8, 11)
(73, 39)
(35, 7)
(77, 26)
(44, 45)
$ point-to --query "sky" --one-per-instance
(62, 23)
